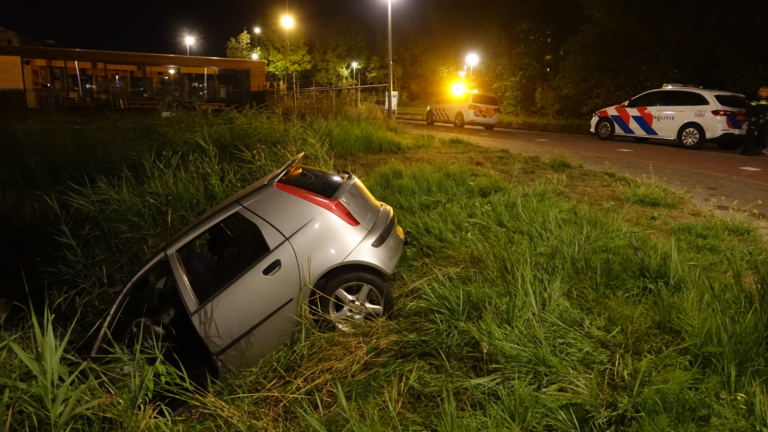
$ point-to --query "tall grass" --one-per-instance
(520, 307)
(520, 310)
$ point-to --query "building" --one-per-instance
(37, 77)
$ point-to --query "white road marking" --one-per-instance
(750, 169)
(541, 140)
(626, 150)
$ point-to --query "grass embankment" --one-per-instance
(518, 122)
(538, 296)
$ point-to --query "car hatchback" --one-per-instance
(225, 292)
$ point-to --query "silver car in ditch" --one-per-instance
(226, 291)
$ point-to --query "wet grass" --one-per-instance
(539, 296)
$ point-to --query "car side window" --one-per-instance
(222, 254)
(684, 98)
(646, 100)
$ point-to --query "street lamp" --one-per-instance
(257, 30)
(287, 22)
(462, 73)
(354, 76)
(190, 41)
(389, 34)
(254, 56)
(472, 60)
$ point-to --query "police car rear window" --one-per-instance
(323, 183)
(732, 101)
(485, 99)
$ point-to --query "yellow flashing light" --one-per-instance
(458, 89)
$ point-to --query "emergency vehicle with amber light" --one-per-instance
(690, 115)
(463, 107)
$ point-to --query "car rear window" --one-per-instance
(732, 101)
(323, 183)
(485, 99)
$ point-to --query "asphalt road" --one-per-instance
(713, 178)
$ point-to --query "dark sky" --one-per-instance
(158, 26)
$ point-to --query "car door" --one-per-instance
(243, 284)
(674, 110)
(637, 118)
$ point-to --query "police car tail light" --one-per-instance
(721, 113)
(473, 107)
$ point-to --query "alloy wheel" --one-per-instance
(690, 137)
(357, 301)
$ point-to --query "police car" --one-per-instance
(691, 115)
(465, 108)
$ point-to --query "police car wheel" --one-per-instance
(691, 136)
(459, 121)
(604, 129)
(640, 140)
(430, 118)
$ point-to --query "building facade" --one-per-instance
(38, 77)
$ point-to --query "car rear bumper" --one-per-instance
(383, 245)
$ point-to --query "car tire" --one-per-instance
(729, 145)
(356, 295)
(691, 136)
(459, 120)
(430, 118)
(489, 127)
(641, 140)
(604, 129)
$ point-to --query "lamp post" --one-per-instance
(462, 73)
(472, 60)
(390, 86)
(287, 22)
(354, 77)
(190, 41)
(256, 33)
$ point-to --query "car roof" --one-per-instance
(694, 88)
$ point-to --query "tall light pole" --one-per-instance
(354, 76)
(256, 33)
(472, 60)
(189, 41)
(390, 86)
(287, 22)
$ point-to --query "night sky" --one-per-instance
(159, 26)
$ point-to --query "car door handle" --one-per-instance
(272, 268)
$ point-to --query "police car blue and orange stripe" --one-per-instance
(644, 119)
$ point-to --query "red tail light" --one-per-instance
(721, 113)
(333, 206)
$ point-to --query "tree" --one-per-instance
(240, 47)
(284, 53)
(334, 51)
